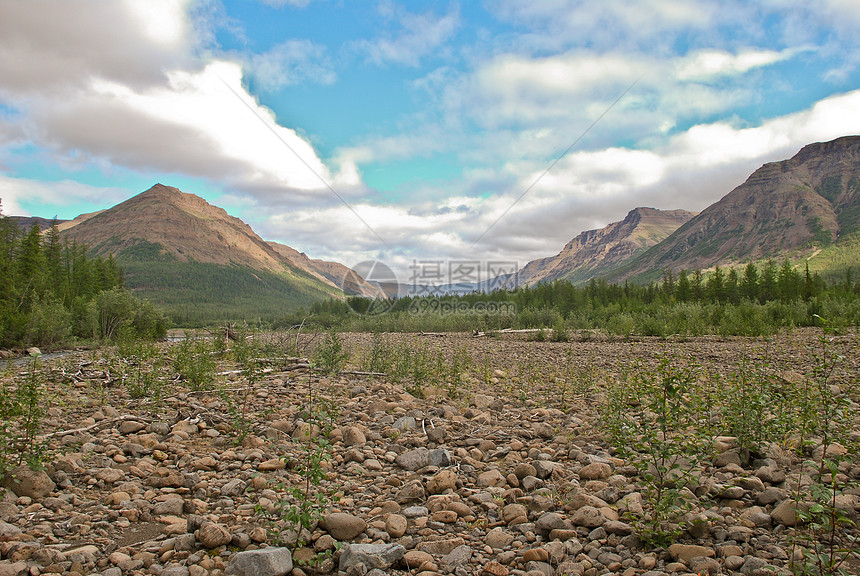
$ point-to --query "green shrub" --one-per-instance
(193, 362)
(559, 331)
(50, 324)
(330, 356)
(655, 420)
(22, 406)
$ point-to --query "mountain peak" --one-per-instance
(593, 252)
(805, 201)
(184, 226)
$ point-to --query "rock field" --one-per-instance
(501, 479)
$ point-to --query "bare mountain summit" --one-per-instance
(594, 252)
(169, 224)
(185, 226)
(199, 262)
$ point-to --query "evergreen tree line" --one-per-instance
(752, 300)
(753, 284)
(51, 291)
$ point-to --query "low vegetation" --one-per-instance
(753, 301)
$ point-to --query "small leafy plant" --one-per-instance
(194, 363)
(308, 499)
(826, 536)
(21, 415)
(653, 421)
(331, 356)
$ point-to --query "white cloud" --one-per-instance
(52, 194)
(49, 46)
(586, 190)
(707, 64)
(609, 24)
(289, 63)
(122, 86)
(417, 36)
(200, 123)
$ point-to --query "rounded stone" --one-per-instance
(212, 535)
(353, 436)
(595, 471)
(442, 481)
(396, 525)
(343, 526)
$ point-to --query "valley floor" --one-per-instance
(442, 454)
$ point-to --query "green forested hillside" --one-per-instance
(200, 293)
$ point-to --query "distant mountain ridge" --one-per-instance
(596, 252)
(783, 209)
(187, 227)
(802, 203)
(180, 250)
(27, 222)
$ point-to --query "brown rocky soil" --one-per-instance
(505, 472)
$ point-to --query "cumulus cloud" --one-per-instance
(586, 190)
(121, 85)
(52, 45)
(199, 123)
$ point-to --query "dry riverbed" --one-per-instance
(498, 465)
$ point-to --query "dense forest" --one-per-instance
(52, 292)
(753, 300)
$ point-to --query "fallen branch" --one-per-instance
(99, 424)
(479, 334)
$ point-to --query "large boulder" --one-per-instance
(23, 481)
(265, 562)
(371, 556)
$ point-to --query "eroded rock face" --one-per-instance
(511, 486)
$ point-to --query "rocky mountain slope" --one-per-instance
(802, 203)
(179, 250)
(184, 225)
(595, 252)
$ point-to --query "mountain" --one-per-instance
(26, 222)
(200, 263)
(596, 252)
(331, 272)
(797, 205)
(184, 225)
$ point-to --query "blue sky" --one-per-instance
(406, 131)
